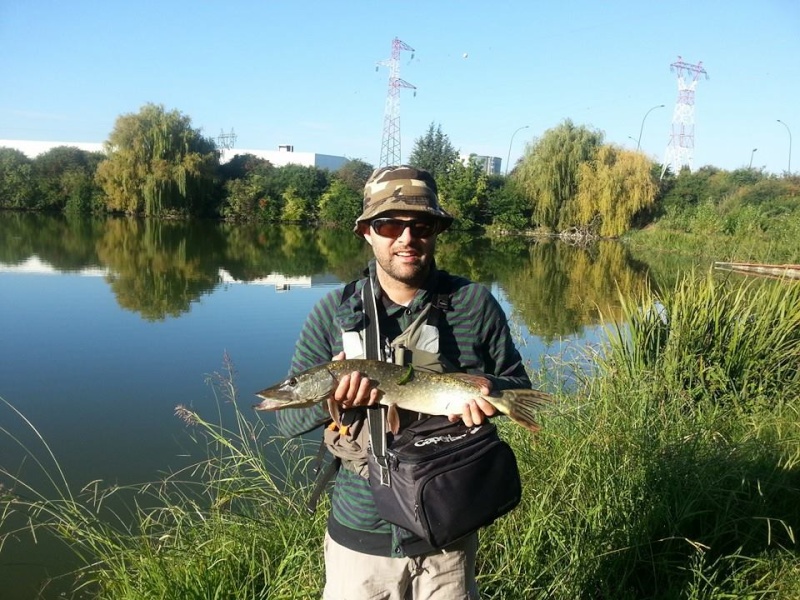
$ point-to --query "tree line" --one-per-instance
(568, 181)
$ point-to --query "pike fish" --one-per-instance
(401, 387)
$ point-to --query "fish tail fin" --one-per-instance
(522, 406)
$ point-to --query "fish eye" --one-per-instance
(290, 381)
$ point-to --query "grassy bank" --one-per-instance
(673, 472)
(761, 229)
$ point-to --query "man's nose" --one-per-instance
(405, 235)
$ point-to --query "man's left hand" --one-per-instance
(477, 409)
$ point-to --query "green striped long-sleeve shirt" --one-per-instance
(473, 335)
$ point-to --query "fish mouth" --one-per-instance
(273, 398)
(269, 404)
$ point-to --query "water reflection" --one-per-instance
(560, 289)
(159, 268)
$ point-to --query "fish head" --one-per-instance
(298, 391)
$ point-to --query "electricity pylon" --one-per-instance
(390, 142)
(680, 149)
(226, 140)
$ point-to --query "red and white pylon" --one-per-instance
(390, 142)
(680, 149)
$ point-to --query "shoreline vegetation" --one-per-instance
(569, 183)
(672, 471)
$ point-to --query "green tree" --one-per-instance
(158, 164)
(16, 182)
(296, 208)
(507, 206)
(340, 204)
(549, 171)
(308, 182)
(249, 192)
(241, 165)
(434, 152)
(354, 174)
(65, 178)
(463, 193)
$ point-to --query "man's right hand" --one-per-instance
(354, 389)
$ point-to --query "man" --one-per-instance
(365, 557)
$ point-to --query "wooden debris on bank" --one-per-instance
(761, 270)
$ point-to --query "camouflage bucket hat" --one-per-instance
(401, 188)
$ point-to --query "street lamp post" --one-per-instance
(789, 131)
(511, 142)
(751, 158)
(639, 141)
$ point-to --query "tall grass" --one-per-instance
(675, 472)
(724, 340)
(231, 526)
(672, 472)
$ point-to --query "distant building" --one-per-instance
(283, 156)
(32, 149)
(491, 165)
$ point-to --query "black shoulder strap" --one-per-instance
(348, 291)
(376, 415)
(372, 332)
(444, 293)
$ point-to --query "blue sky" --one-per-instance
(303, 72)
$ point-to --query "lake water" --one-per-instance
(107, 325)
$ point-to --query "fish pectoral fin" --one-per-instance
(393, 419)
(333, 410)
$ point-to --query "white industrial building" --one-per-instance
(283, 156)
(32, 149)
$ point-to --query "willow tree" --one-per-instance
(549, 171)
(612, 188)
(157, 164)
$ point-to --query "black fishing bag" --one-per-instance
(443, 481)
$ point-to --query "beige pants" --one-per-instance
(443, 575)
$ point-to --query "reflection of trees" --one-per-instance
(67, 243)
(479, 259)
(561, 288)
(257, 250)
(345, 254)
(158, 267)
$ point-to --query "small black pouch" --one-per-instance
(443, 481)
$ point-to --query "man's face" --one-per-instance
(404, 255)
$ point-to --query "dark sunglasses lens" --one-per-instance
(423, 228)
(395, 227)
(388, 227)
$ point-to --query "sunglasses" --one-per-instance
(394, 228)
